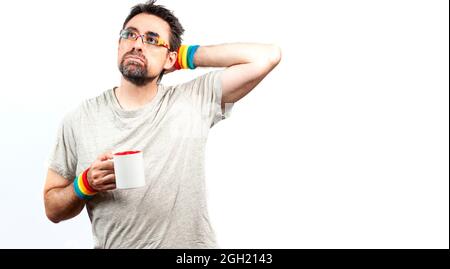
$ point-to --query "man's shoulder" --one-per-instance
(99, 101)
(88, 107)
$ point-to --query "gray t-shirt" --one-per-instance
(170, 211)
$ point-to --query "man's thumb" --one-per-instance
(106, 156)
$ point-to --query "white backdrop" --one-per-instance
(344, 145)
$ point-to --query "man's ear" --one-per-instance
(170, 61)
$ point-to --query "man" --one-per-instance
(168, 124)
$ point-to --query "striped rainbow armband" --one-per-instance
(185, 58)
(82, 188)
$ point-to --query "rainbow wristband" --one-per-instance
(177, 65)
(88, 187)
(180, 56)
(185, 58)
(82, 189)
(190, 56)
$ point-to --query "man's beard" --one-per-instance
(133, 71)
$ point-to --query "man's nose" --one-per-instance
(139, 43)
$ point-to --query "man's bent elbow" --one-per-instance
(58, 210)
(53, 218)
(51, 215)
(274, 55)
(50, 211)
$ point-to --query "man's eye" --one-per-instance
(151, 40)
(128, 35)
(131, 35)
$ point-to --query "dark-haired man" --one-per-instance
(168, 124)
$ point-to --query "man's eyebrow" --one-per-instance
(151, 33)
(132, 28)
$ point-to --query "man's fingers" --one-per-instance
(106, 165)
(109, 179)
(100, 174)
(109, 187)
(104, 183)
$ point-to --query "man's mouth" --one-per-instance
(135, 58)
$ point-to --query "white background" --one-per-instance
(344, 145)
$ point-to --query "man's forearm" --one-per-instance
(227, 55)
(62, 203)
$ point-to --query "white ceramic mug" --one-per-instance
(129, 169)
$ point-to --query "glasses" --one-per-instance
(148, 38)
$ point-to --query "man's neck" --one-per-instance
(132, 97)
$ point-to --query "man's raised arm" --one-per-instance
(247, 64)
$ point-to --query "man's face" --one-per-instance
(141, 63)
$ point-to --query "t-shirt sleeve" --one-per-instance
(63, 155)
(206, 92)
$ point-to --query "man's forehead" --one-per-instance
(144, 23)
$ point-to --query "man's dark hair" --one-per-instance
(176, 30)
